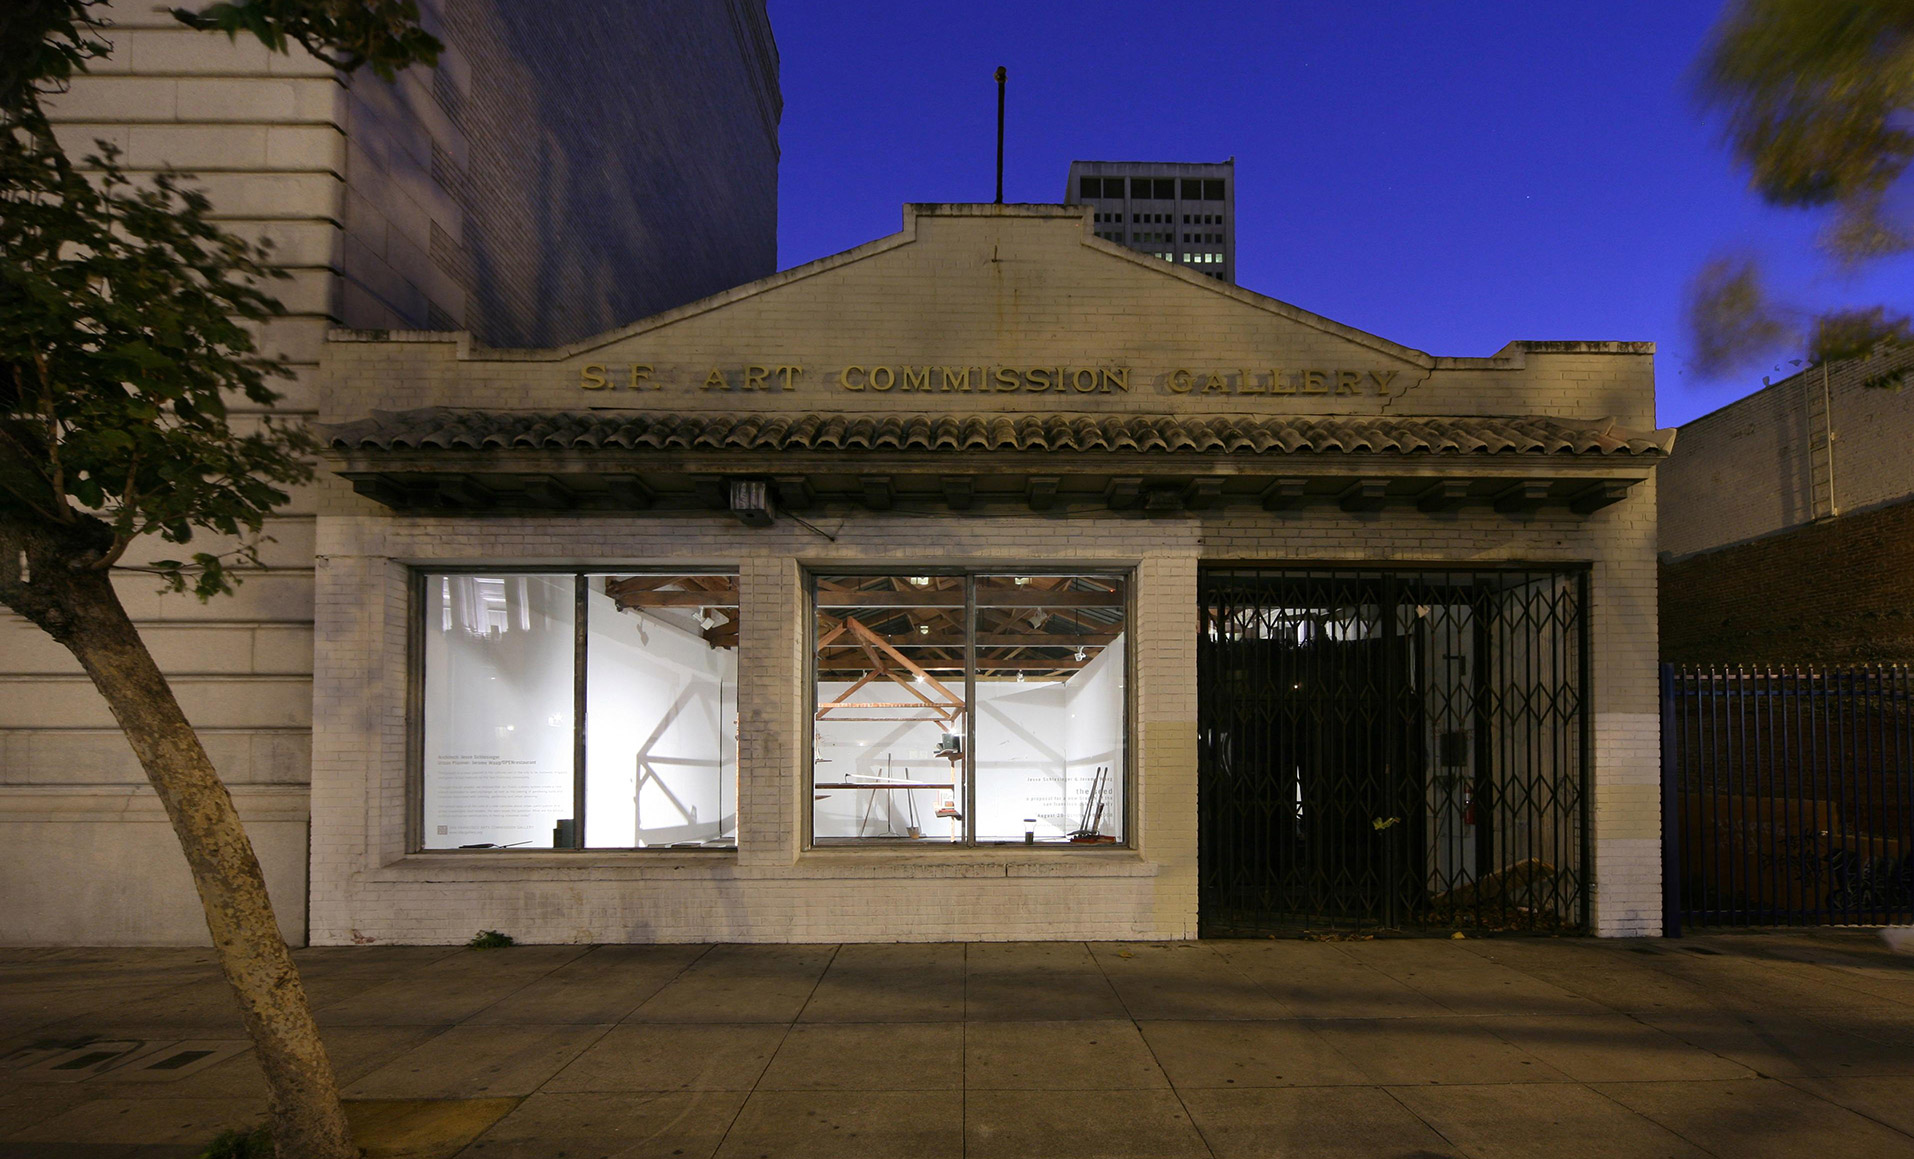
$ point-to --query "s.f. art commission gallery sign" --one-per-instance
(938, 379)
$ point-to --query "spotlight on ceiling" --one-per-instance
(1082, 654)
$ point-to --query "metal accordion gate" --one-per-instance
(1392, 748)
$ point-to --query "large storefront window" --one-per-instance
(538, 735)
(982, 708)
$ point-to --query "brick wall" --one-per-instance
(1840, 591)
(368, 887)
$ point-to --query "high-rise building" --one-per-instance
(1182, 212)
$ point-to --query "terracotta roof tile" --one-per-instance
(449, 429)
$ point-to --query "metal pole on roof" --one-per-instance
(1003, 74)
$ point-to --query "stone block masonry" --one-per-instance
(569, 166)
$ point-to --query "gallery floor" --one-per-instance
(1742, 1045)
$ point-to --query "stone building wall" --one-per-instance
(402, 205)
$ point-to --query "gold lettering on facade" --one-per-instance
(1059, 381)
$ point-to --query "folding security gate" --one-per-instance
(1392, 748)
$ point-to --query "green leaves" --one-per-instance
(1817, 100)
(1815, 94)
(127, 316)
(383, 35)
(126, 321)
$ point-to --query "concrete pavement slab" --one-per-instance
(1004, 1124)
(1247, 1054)
(708, 997)
(1305, 1123)
(847, 1125)
(1336, 987)
(478, 1061)
(1785, 1044)
(764, 961)
(929, 959)
(1616, 980)
(1044, 996)
(1024, 958)
(1545, 1121)
(813, 1045)
(1888, 1099)
(1188, 987)
(626, 1125)
(604, 985)
(1611, 1048)
(672, 1057)
(1059, 1056)
(1760, 1119)
(1394, 1051)
(445, 989)
(865, 1056)
(887, 994)
(123, 1121)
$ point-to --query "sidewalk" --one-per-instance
(1730, 1045)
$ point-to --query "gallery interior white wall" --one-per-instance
(498, 709)
(660, 730)
(1039, 744)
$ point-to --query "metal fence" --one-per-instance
(1788, 796)
(1397, 748)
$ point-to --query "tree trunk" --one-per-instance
(78, 607)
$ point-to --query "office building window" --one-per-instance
(974, 708)
(537, 735)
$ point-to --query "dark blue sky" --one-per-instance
(1446, 175)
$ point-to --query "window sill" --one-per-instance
(579, 865)
(1015, 860)
(712, 865)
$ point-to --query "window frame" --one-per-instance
(418, 576)
(969, 845)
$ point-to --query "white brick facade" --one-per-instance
(972, 286)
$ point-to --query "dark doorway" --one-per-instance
(1393, 749)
